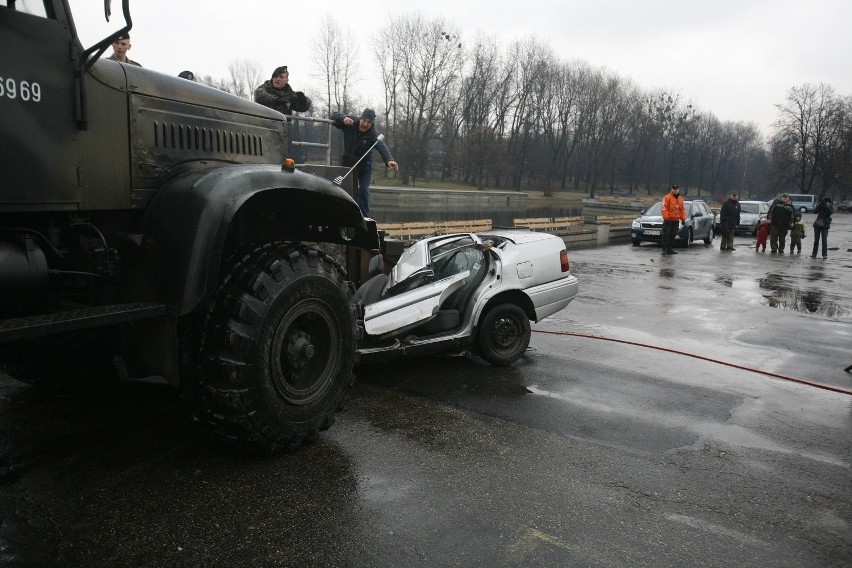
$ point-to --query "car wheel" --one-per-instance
(803, 209)
(504, 334)
(277, 349)
(688, 240)
(711, 234)
(636, 242)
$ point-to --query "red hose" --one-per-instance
(720, 362)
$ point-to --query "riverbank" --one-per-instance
(506, 209)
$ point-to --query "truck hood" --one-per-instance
(142, 81)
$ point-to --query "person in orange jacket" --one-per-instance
(674, 213)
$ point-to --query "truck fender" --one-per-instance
(188, 224)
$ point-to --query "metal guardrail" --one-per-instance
(326, 145)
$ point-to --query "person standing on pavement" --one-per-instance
(359, 136)
(780, 221)
(797, 233)
(674, 214)
(762, 235)
(821, 225)
(729, 218)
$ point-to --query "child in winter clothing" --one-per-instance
(797, 233)
(762, 235)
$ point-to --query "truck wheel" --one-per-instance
(504, 334)
(277, 349)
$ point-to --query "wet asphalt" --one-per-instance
(587, 452)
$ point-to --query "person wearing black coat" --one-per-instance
(359, 136)
(821, 225)
(729, 218)
(780, 221)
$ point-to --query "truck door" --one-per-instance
(37, 106)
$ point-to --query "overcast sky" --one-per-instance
(734, 58)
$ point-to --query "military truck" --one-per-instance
(156, 228)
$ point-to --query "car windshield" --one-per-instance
(654, 209)
(750, 208)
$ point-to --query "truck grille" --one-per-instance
(176, 136)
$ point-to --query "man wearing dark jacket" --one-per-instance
(277, 94)
(729, 218)
(359, 136)
(780, 221)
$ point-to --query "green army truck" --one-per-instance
(154, 228)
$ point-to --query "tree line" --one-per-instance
(518, 116)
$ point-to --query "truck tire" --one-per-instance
(503, 335)
(277, 348)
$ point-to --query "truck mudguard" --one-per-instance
(201, 216)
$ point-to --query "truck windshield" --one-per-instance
(34, 7)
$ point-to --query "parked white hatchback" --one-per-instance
(464, 291)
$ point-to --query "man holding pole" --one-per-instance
(359, 139)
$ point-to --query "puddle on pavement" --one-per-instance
(786, 296)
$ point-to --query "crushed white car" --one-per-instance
(464, 291)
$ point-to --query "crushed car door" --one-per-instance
(412, 307)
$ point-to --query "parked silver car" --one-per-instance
(462, 291)
(750, 213)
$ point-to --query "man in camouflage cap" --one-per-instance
(120, 47)
(276, 93)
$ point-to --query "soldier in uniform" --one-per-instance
(276, 93)
(120, 47)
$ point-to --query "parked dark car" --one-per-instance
(698, 225)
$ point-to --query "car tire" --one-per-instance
(503, 335)
(689, 238)
(803, 209)
(711, 234)
(277, 347)
(636, 243)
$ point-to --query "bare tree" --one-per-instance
(335, 54)
(244, 77)
(220, 84)
(477, 110)
(529, 86)
(608, 113)
(809, 136)
(420, 61)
